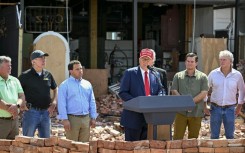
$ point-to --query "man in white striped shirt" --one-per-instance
(225, 83)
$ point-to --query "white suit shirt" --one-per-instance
(225, 88)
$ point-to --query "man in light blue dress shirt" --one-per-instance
(76, 104)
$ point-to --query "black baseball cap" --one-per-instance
(37, 54)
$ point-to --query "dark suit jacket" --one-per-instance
(131, 86)
(163, 78)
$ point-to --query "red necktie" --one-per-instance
(147, 85)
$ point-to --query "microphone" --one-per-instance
(151, 68)
(158, 78)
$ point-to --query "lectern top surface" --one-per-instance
(151, 104)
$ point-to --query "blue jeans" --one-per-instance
(225, 115)
(35, 119)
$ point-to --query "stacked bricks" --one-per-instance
(23, 144)
(5, 145)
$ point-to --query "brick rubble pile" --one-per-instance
(108, 126)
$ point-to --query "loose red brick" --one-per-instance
(52, 141)
(58, 149)
(45, 149)
(23, 139)
(4, 148)
(235, 142)
(190, 143)
(93, 147)
(19, 144)
(190, 150)
(5, 142)
(220, 143)
(176, 144)
(14, 149)
(100, 143)
(125, 151)
(81, 146)
(37, 142)
(237, 149)
(103, 150)
(27, 147)
(30, 148)
(205, 149)
(123, 145)
(205, 143)
(158, 150)
(156, 144)
(174, 150)
(106, 144)
(142, 151)
(65, 143)
(222, 150)
(143, 144)
(128, 145)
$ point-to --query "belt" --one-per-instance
(6, 118)
(38, 109)
(78, 115)
(29, 106)
(225, 106)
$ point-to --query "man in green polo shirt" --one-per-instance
(11, 98)
(195, 83)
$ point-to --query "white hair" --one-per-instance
(4, 59)
(226, 53)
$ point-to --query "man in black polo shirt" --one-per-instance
(36, 83)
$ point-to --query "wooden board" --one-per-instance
(99, 80)
(56, 61)
(20, 61)
(163, 132)
(208, 53)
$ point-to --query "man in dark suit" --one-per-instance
(133, 85)
(163, 78)
(162, 72)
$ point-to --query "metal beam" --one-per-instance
(135, 31)
(206, 2)
(93, 33)
(236, 47)
(8, 4)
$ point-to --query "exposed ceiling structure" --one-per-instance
(204, 2)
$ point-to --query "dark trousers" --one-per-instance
(135, 134)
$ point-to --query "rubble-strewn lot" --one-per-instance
(107, 127)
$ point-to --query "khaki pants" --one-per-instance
(80, 128)
(9, 128)
(180, 124)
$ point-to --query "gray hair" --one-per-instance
(4, 59)
(226, 53)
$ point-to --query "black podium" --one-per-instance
(159, 110)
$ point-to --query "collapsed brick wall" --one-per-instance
(23, 144)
